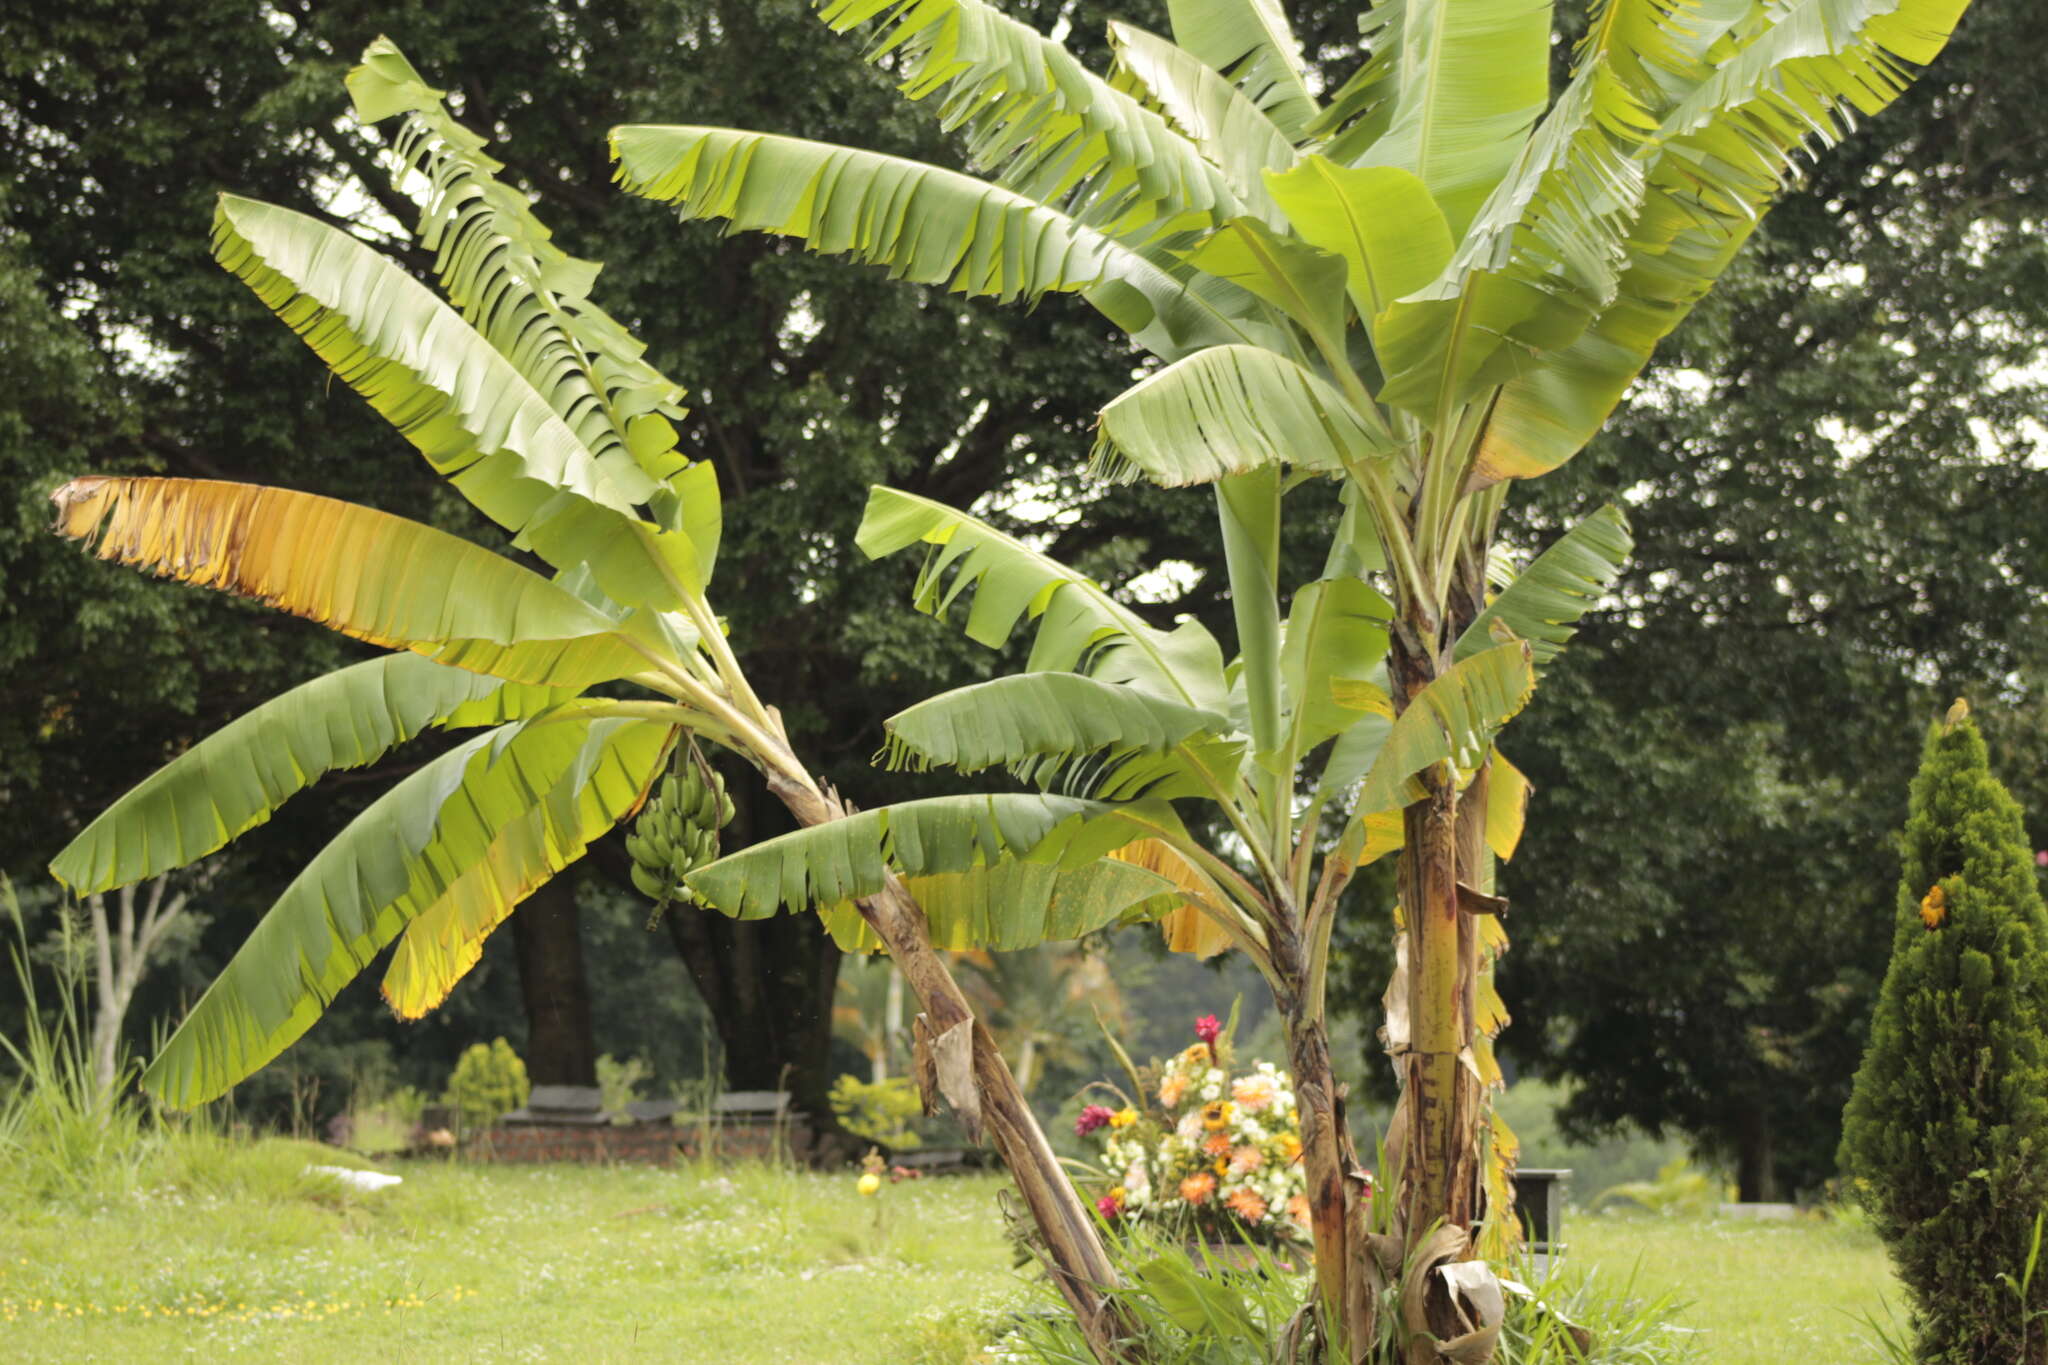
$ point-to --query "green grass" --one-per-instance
(235, 1254)
(229, 1250)
(1758, 1293)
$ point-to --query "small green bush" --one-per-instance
(489, 1082)
(619, 1082)
(881, 1111)
(1946, 1134)
(1679, 1189)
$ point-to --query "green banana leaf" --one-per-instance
(231, 781)
(1080, 626)
(393, 862)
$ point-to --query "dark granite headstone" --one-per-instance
(567, 1105)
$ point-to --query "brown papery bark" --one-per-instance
(1077, 1259)
(1329, 1161)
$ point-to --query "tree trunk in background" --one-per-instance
(1756, 1161)
(768, 984)
(561, 1048)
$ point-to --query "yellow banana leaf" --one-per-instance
(365, 573)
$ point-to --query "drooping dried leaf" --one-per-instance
(1188, 929)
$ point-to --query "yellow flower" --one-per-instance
(1216, 1114)
(869, 1183)
(1934, 908)
(1290, 1147)
(1123, 1118)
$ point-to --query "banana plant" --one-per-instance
(585, 691)
(1438, 280)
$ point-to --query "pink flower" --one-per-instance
(1207, 1029)
(2041, 858)
(1109, 1206)
(1092, 1117)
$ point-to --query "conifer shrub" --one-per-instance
(489, 1082)
(1946, 1134)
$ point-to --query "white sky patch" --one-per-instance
(1167, 581)
(961, 432)
(801, 324)
(1035, 503)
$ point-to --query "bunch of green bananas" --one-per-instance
(677, 830)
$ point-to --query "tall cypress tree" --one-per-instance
(1946, 1134)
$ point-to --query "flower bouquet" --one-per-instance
(1217, 1158)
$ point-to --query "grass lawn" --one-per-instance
(250, 1260)
(228, 1252)
(1757, 1293)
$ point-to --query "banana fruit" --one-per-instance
(677, 830)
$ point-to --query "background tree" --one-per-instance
(1045, 1007)
(122, 122)
(1947, 1127)
(1837, 523)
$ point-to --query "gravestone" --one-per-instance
(1539, 1202)
(560, 1106)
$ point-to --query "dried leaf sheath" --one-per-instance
(1187, 928)
(364, 573)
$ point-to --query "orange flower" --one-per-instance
(1934, 908)
(1297, 1209)
(1197, 1188)
(1216, 1144)
(1246, 1159)
(1246, 1204)
(1216, 1114)
(1254, 1093)
(1290, 1148)
(1171, 1089)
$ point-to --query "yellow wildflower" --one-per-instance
(1123, 1118)
(1217, 1113)
(869, 1183)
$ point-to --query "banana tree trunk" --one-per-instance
(1442, 1099)
(959, 1058)
(1345, 1274)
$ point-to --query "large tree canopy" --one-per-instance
(1834, 482)
(134, 352)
